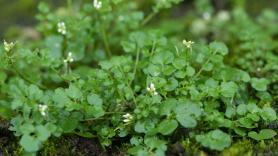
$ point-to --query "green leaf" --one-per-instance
(240, 131)
(228, 89)
(179, 63)
(208, 67)
(29, 143)
(253, 117)
(268, 114)
(94, 99)
(241, 109)
(96, 111)
(60, 98)
(259, 84)
(43, 7)
(74, 92)
(163, 58)
(187, 112)
(190, 71)
(171, 85)
(42, 133)
(140, 127)
(54, 44)
(219, 47)
(253, 108)
(69, 124)
(166, 127)
(230, 111)
(167, 106)
(34, 92)
(27, 128)
(262, 135)
(267, 133)
(246, 122)
(16, 104)
(135, 140)
(155, 143)
(129, 46)
(215, 140)
(186, 120)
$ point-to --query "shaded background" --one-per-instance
(15, 14)
(20, 13)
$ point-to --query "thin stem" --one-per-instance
(153, 47)
(29, 80)
(93, 119)
(136, 64)
(203, 66)
(148, 18)
(106, 43)
(127, 83)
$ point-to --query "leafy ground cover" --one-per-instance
(142, 78)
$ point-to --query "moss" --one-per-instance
(246, 147)
(242, 147)
(56, 147)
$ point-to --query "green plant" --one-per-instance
(100, 71)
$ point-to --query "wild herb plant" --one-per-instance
(102, 70)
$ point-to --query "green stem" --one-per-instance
(203, 66)
(93, 119)
(106, 43)
(153, 47)
(129, 86)
(29, 80)
(136, 64)
(148, 18)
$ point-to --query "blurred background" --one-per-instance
(18, 14)
(15, 14)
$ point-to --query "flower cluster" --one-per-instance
(43, 109)
(152, 89)
(127, 118)
(97, 4)
(188, 44)
(69, 58)
(62, 28)
(8, 46)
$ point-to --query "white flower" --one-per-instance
(69, 58)
(97, 4)
(152, 89)
(223, 16)
(127, 117)
(206, 16)
(188, 44)
(43, 109)
(8, 46)
(62, 28)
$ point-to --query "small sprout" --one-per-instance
(69, 58)
(152, 89)
(127, 118)
(62, 28)
(188, 44)
(97, 4)
(43, 109)
(8, 46)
